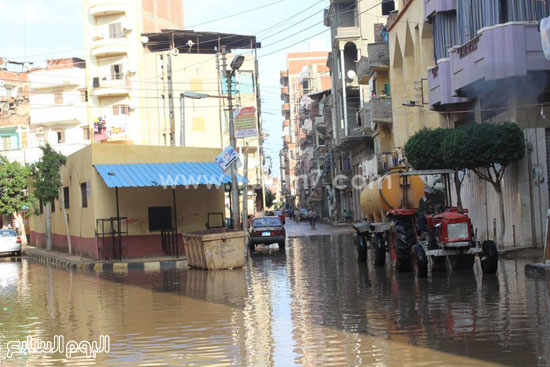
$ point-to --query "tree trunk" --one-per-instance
(458, 188)
(22, 231)
(48, 226)
(498, 189)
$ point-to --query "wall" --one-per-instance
(162, 14)
(411, 52)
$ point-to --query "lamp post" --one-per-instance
(235, 65)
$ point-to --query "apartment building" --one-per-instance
(14, 106)
(306, 73)
(115, 67)
(487, 65)
(352, 30)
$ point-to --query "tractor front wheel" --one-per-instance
(489, 258)
(419, 261)
(403, 239)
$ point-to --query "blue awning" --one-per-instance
(163, 174)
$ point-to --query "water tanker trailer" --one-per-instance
(390, 204)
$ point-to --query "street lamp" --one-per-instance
(235, 65)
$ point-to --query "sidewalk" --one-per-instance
(66, 261)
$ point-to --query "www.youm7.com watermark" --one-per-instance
(58, 345)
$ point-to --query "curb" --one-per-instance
(103, 267)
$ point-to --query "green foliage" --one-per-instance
(46, 174)
(423, 149)
(269, 198)
(490, 144)
(14, 197)
(454, 152)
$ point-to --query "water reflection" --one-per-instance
(312, 304)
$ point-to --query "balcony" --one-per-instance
(378, 164)
(348, 33)
(59, 115)
(286, 108)
(439, 83)
(504, 51)
(111, 87)
(99, 8)
(438, 6)
(286, 123)
(284, 90)
(102, 47)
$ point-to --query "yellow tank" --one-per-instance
(387, 193)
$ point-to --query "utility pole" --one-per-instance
(233, 142)
(245, 194)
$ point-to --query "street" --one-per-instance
(312, 305)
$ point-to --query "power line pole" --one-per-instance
(233, 142)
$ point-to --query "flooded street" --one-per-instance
(313, 305)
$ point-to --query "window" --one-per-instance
(115, 30)
(66, 199)
(83, 96)
(86, 133)
(60, 137)
(116, 72)
(41, 206)
(5, 143)
(58, 98)
(53, 206)
(84, 194)
(198, 124)
(121, 109)
(160, 218)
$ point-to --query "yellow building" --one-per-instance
(411, 53)
(96, 176)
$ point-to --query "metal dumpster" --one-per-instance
(215, 250)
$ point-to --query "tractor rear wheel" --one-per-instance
(403, 239)
(489, 258)
(378, 253)
(361, 248)
(419, 261)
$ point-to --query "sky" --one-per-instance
(53, 29)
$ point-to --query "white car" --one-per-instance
(10, 242)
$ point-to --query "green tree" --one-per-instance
(269, 198)
(453, 153)
(14, 196)
(423, 149)
(488, 150)
(47, 183)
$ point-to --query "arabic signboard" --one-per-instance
(226, 158)
(110, 130)
(245, 122)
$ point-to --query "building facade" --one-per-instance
(488, 66)
(306, 73)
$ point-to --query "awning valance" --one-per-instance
(163, 174)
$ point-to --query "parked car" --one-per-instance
(304, 215)
(281, 216)
(267, 230)
(10, 242)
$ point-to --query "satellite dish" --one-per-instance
(144, 40)
(27, 66)
(351, 74)
(175, 52)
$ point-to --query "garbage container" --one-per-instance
(215, 250)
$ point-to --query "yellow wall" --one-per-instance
(193, 205)
(411, 52)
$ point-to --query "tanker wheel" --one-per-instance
(378, 252)
(403, 239)
(361, 248)
(489, 258)
(419, 261)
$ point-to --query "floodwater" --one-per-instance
(313, 306)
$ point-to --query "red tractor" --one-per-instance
(445, 237)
